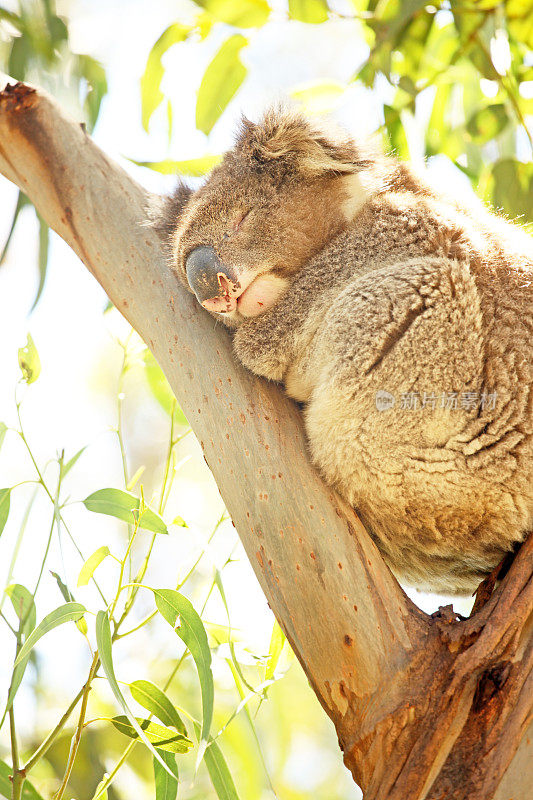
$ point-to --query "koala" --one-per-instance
(400, 318)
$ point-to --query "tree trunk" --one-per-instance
(425, 708)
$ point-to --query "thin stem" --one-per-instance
(120, 398)
(167, 683)
(121, 575)
(18, 543)
(168, 459)
(79, 729)
(19, 776)
(43, 747)
(102, 787)
(9, 625)
(50, 496)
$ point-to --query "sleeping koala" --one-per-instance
(402, 319)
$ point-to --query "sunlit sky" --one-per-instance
(69, 406)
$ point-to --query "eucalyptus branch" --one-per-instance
(57, 510)
(79, 729)
(46, 744)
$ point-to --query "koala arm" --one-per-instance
(265, 344)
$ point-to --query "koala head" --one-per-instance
(276, 199)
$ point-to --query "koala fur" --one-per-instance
(400, 317)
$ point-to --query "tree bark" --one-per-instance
(425, 708)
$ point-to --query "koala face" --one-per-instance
(275, 200)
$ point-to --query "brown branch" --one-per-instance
(413, 699)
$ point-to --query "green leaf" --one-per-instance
(100, 793)
(29, 792)
(180, 614)
(486, 123)
(29, 361)
(24, 606)
(69, 612)
(91, 564)
(277, 643)
(194, 167)
(161, 390)
(520, 20)
(65, 468)
(239, 13)
(5, 501)
(222, 78)
(155, 700)
(160, 737)
(66, 613)
(395, 129)
(513, 187)
(81, 624)
(218, 770)
(44, 238)
(237, 666)
(313, 11)
(94, 74)
(318, 97)
(180, 522)
(103, 640)
(22, 201)
(16, 679)
(3, 431)
(151, 94)
(122, 505)
(63, 588)
(166, 788)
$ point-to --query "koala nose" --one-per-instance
(209, 279)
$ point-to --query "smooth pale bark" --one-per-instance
(424, 707)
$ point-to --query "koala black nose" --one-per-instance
(207, 276)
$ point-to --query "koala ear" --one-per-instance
(289, 139)
(163, 213)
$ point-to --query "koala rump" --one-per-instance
(399, 317)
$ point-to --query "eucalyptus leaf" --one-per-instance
(218, 770)
(24, 607)
(486, 123)
(166, 787)
(160, 737)
(161, 390)
(65, 468)
(105, 650)
(313, 11)
(180, 614)
(70, 612)
(29, 792)
(65, 613)
(5, 501)
(221, 80)
(122, 505)
(22, 201)
(277, 643)
(29, 361)
(94, 74)
(63, 588)
(42, 261)
(94, 561)
(151, 94)
(239, 13)
(155, 700)
(193, 167)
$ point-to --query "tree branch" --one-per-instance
(388, 676)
